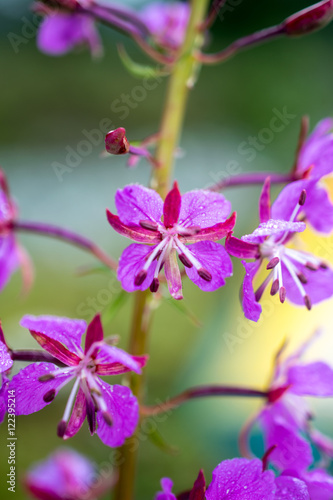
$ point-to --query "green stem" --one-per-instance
(172, 122)
(181, 81)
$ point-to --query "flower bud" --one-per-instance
(116, 142)
(311, 19)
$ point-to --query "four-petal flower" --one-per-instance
(197, 217)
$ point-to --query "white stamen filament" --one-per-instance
(183, 249)
(152, 256)
(71, 399)
(289, 265)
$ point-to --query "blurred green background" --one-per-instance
(46, 104)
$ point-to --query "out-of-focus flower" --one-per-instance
(112, 411)
(167, 22)
(61, 32)
(286, 418)
(318, 482)
(298, 276)
(6, 363)
(310, 19)
(197, 217)
(65, 474)
(242, 479)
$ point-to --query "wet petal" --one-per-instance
(312, 379)
(252, 308)
(65, 330)
(214, 258)
(124, 410)
(6, 361)
(319, 483)
(317, 151)
(29, 391)
(273, 227)
(135, 203)
(131, 262)
(203, 209)
(319, 286)
(319, 209)
(288, 198)
(241, 479)
(78, 415)
(290, 488)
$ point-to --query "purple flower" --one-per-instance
(65, 474)
(6, 363)
(167, 22)
(314, 162)
(166, 494)
(60, 32)
(197, 217)
(241, 479)
(318, 482)
(111, 411)
(286, 418)
(301, 277)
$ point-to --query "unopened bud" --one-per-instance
(116, 142)
(311, 19)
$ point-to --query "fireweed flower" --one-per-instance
(301, 277)
(286, 418)
(242, 479)
(167, 22)
(318, 482)
(61, 32)
(111, 411)
(197, 217)
(65, 474)
(315, 162)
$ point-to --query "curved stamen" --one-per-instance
(289, 265)
(154, 286)
(142, 274)
(202, 272)
(57, 373)
(62, 426)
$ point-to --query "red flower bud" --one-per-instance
(116, 142)
(311, 19)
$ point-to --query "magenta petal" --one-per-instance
(29, 391)
(319, 483)
(241, 479)
(290, 488)
(78, 415)
(124, 411)
(3, 397)
(252, 308)
(136, 203)
(67, 331)
(288, 198)
(273, 227)
(167, 21)
(135, 233)
(214, 258)
(241, 249)
(313, 379)
(6, 361)
(317, 151)
(319, 209)
(111, 360)
(319, 286)
(64, 475)
(166, 494)
(60, 32)
(265, 201)
(131, 262)
(203, 209)
(171, 207)
(292, 450)
(212, 233)
(94, 333)
(9, 260)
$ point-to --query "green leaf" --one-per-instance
(158, 440)
(136, 69)
(111, 311)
